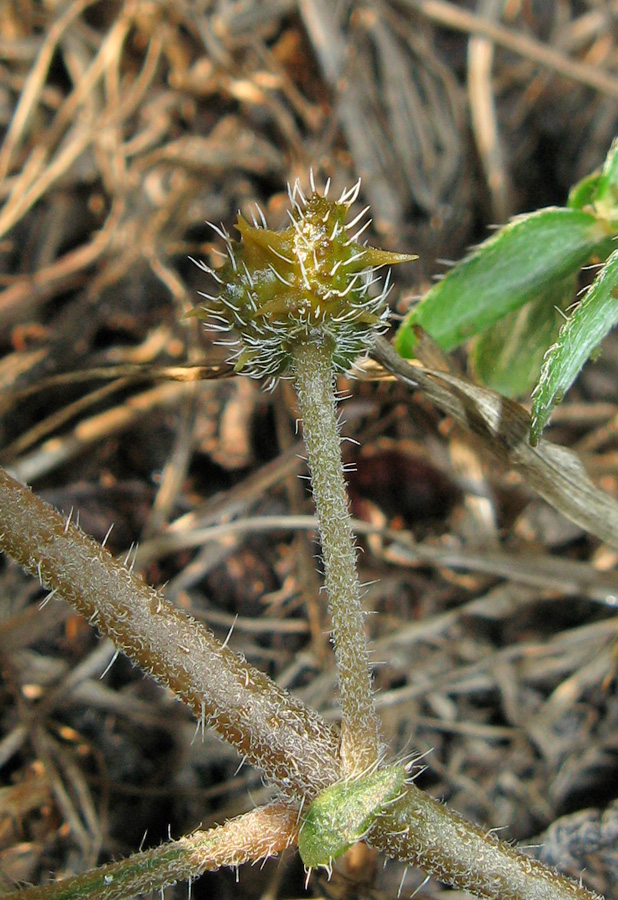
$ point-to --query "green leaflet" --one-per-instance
(508, 356)
(598, 193)
(518, 264)
(341, 815)
(579, 338)
(596, 314)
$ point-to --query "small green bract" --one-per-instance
(340, 816)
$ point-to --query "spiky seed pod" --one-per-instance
(279, 289)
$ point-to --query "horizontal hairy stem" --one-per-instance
(269, 727)
(256, 835)
(418, 830)
(292, 745)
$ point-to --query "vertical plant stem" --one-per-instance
(315, 387)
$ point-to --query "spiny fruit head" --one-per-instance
(313, 280)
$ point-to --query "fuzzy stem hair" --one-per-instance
(422, 832)
(268, 726)
(294, 746)
(315, 387)
(257, 834)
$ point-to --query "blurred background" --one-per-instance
(126, 128)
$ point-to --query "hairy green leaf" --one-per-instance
(340, 815)
(583, 194)
(598, 192)
(579, 338)
(518, 264)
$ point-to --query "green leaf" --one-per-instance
(508, 356)
(598, 192)
(340, 816)
(522, 261)
(579, 338)
(605, 201)
(583, 194)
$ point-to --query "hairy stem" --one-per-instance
(270, 728)
(256, 835)
(419, 830)
(314, 383)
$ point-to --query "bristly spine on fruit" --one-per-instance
(313, 279)
(301, 305)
